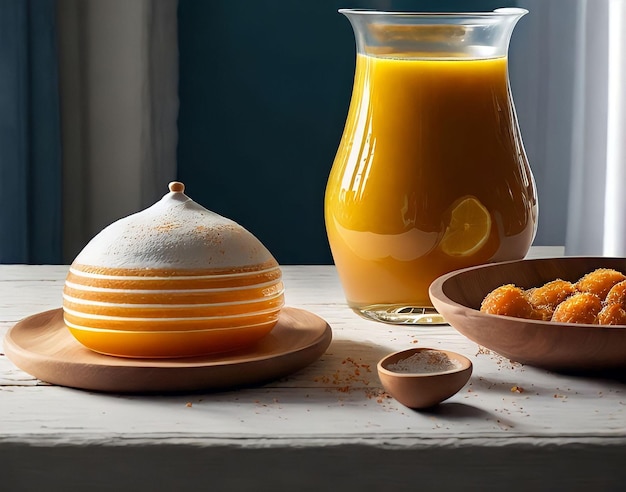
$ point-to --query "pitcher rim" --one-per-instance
(501, 12)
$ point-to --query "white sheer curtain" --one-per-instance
(585, 221)
(568, 74)
(597, 219)
(615, 203)
(119, 106)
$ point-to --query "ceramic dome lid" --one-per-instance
(175, 233)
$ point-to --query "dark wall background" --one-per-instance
(264, 91)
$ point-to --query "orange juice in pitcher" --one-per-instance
(431, 174)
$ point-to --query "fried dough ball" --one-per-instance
(600, 281)
(599, 297)
(508, 300)
(542, 312)
(617, 294)
(547, 297)
(612, 314)
(551, 294)
(582, 307)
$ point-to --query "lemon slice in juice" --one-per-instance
(469, 228)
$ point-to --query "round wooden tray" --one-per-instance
(42, 346)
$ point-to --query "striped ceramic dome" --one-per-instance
(173, 280)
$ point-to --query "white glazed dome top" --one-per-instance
(176, 233)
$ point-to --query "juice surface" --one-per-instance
(423, 135)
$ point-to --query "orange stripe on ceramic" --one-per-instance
(166, 344)
(172, 296)
(253, 287)
(79, 320)
(115, 278)
(173, 310)
(240, 271)
(177, 296)
(172, 268)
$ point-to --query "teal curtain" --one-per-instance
(30, 148)
(264, 91)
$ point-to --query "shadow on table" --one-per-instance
(456, 411)
(608, 375)
(560, 388)
(346, 366)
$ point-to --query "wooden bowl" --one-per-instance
(423, 387)
(556, 346)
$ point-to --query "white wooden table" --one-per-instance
(328, 427)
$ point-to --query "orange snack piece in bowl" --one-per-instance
(551, 294)
(546, 298)
(582, 307)
(600, 281)
(598, 297)
(617, 294)
(612, 314)
(508, 300)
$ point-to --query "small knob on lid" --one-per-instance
(176, 187)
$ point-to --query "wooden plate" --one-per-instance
(42, 346)
(558, 346)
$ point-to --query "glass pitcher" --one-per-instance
(431, 173)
